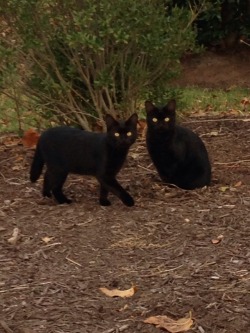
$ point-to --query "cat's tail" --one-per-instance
(37, 165)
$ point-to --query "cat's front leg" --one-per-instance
(112, 185)
(104, 197)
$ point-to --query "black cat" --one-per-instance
(67, 150)
(178, 154)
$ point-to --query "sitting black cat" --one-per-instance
(178, 154)
(67, 150)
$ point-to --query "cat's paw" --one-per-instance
(62, 201)
(128, 200)
(47, 194)
(60, 197)
(68, 201)
(104, 202)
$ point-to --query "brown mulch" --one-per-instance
(184, 250)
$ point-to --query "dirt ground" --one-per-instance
(217, 70)
(183, 250)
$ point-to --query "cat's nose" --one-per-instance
(161, 126)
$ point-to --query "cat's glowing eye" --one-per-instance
(129, 133)
(166, 119)
(155, 120)
(117, 134)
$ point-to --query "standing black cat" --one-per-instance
(178, 154)
(67, 150)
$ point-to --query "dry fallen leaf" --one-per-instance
(217, 240)
(47, 239)
(171, 325)
(10, 141)
(15, 235)
(119, 293)
(214, 133)
(125, 307)
(134, 155)
(142, 127)
(238, 184)
(30, 138)
(98, 126)
(233, 112)
(245, 101)
(224, 188)
(17, 167)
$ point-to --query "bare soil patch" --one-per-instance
(163, 245)
(217, 70)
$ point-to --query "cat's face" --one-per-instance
(160, 119)
(122, 133)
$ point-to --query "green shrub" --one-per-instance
(77, 60)
(220, 22)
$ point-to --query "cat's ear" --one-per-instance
(149, 106)
(110, 121)
(171, 106)
(132, 120)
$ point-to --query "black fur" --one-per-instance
(67, 150)
(178, 154)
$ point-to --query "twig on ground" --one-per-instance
(51, 245)
(233, 162)
(74, 262)
(243, 42)
(161, 272)
(117, 329)
(215, 120)
(140, 166)
(23, 286)
(39, 301)
(5, 327)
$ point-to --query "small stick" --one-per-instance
(5, 327)
(214, 120)
(74, 262)
(236, 162)
(243, 42)
(23, 286)
(142, 167)
(51, 245)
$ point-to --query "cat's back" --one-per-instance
(189, 139)
(66, 132)
(171, 140)
(73, 149)
(64, 136)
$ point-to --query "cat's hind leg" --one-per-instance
(191, 178)
(57, 185)
(46, 185)
(103, 200)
